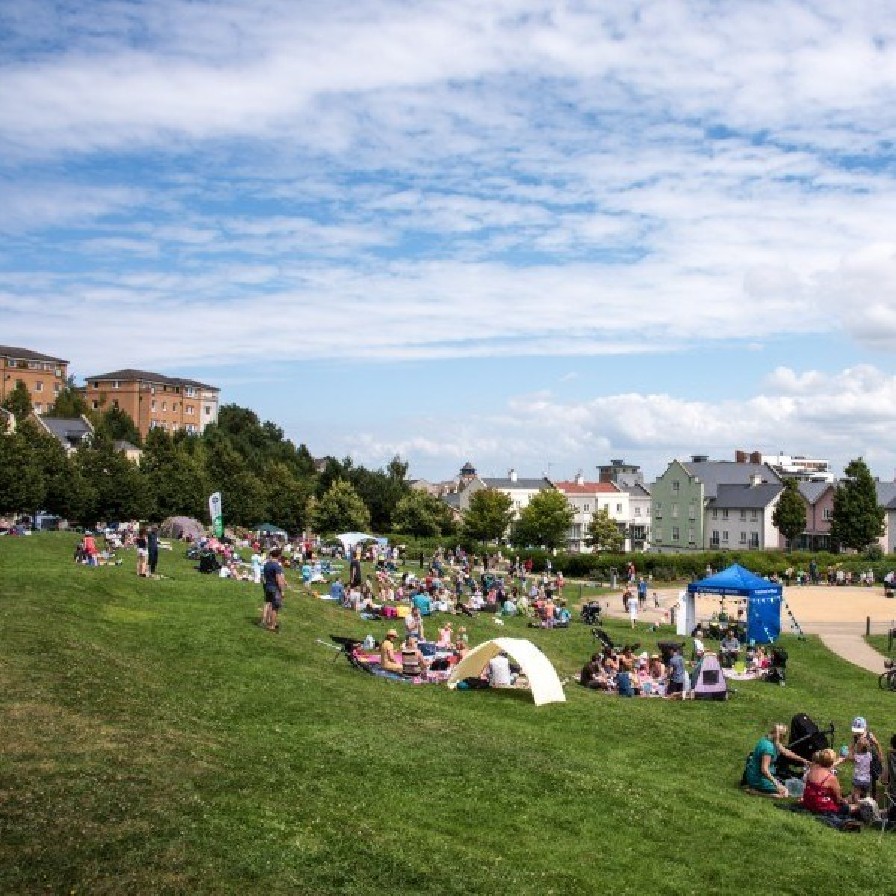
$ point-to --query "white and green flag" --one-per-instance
(214, 511)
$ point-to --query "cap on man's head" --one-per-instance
(859, 725)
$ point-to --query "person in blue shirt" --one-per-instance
(675, 685)
(337, 591)
(422, 602)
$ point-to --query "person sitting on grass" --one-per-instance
(388, 659)
(412, 661)
(729, 649)
(822, 794)
(760, 772)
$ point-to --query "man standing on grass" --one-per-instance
(274, 585)
(152, 547)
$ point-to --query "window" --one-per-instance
(692, 511)
(714, 538)
(743, 515)
(618, 508)
(39, 386)
(57, 388)
(164, 405)
(114, 402)
(189, 391)
(115, 384)
(96, 405)
(674, 510)
(754, 539)
(38, 407)
(208, 410)
(743, 537)
(637, 511)
(691, 536)
(658, 510)
(754, 516)
(584, 506)
(152, 405)
(675, 485)
(828, 514)
(724, 536)
(675, 533)
(715, 514)
(724, 514)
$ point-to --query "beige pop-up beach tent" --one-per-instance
(542, 677)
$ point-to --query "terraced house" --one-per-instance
(702, 504)
(154, 400)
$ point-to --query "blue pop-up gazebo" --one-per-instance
(763, 600)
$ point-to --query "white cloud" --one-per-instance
(834, 417)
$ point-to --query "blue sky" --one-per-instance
(525, 234)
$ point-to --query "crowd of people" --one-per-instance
(818, 789)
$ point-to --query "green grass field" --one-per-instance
(154, 740)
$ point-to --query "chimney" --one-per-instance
(740, 457)
(580, 478)
(511, 475)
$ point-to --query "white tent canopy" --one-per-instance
(350, 539)
(543, 680)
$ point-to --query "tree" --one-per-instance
(545, 520)
(422, 515)
(488, 516)
(66, 493)
(117, 488)
(604, 533)
(340, 509)
(789, 515)
(116, 426)
(174, 475)
(287, 497)
(18, 402)
(69, 403)
(22, 485)
(858, 519)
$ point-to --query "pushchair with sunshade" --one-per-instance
(591, 612)
(806, 738)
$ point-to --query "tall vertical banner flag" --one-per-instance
(214, 511)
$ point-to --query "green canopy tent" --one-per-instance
(270, 529)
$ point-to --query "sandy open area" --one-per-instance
(816, 607)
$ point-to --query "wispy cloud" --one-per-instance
(384, 182)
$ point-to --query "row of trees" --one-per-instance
(262, 475)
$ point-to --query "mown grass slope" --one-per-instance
(154, 740)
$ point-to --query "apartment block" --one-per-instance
(43, 375)
(153, 400)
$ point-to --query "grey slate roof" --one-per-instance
(452, 499)
(886, 494)
(812, 491)
(713, 473)
(129, 374)
(505, 482)
(70, 431)
(635, 489)
(25, 354)
(745, 497)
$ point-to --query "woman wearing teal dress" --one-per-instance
(760, 773)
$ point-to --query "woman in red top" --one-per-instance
(822, 794)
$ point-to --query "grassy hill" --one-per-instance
(154, 740)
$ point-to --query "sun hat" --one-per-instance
(859, 725)
(391, 633)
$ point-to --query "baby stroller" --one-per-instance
(805, 739)
(777, 672)
(591, 613)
